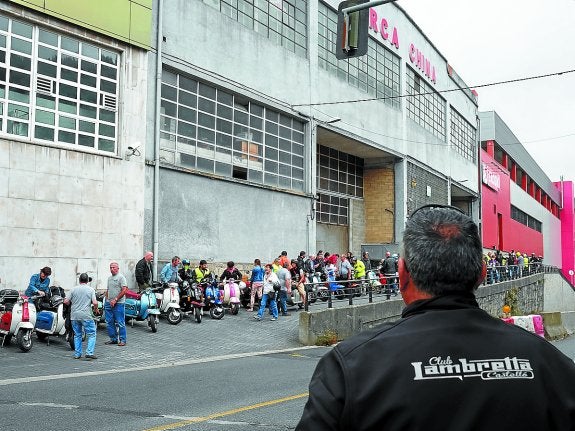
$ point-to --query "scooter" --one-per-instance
(337, 289)
(17, 317)
(231, 294)
(212, 295)
(53, 318)
(373, 281)
(142, 306)
(168, 299)
(321, 288)
(192, 300)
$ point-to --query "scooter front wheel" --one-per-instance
(174, 316)
(216, 313)
(153, 323)
(24, 339)
(235, 308)
(198, 315)
(70, 339)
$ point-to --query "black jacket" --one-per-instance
(446, 365)
(389, 266)
(143, 272)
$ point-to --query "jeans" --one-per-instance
(115, 316)
(89, 328)
(283, 300)
(264, 302)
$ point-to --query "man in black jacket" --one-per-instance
(446, 364)
(144, 271)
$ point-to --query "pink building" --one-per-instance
(567, 215)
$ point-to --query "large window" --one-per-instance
(57, 88)
(340, 175)
(463, 137)
(214, 131)
(377, 73)
(283, 21)
(425, 107)
(525, 219)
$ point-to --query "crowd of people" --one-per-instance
(503, 267)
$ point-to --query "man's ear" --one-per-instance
(403, 272)
(483, 273)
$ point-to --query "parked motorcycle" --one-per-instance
(53, 316)
(374, 282)
(192, 299)
(168, 298)
(231, 294)
(142, 306)
(337, 289)
(101, 316)
(17, 318)
(321, 289)
(212, 295)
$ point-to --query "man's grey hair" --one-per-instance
(442, 251)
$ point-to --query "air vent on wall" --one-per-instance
(108, 101)
(44, 85)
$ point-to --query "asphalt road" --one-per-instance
(233, 374)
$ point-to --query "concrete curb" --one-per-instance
(553, 324)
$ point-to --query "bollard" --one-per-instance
(329, 304)
(350, 294)
(370, 292)
(306, 290)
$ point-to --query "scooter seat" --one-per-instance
(130, 294)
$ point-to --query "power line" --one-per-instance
(401, 96)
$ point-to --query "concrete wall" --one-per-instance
(559, 294)
(347, 321)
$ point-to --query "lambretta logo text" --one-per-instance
(487, 369)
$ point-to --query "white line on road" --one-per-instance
(7, 382)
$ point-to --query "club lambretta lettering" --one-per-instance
(487, 369)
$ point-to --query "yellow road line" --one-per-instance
(226, 413)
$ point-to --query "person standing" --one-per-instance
(284, 278)
(344, 269)
(144, 271)
(366, 260)
(269, 295)
(454, 366)
(83, 300)
(283, 258)
(256, 283)
(114, 306)
(39, 283)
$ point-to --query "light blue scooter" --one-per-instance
(142, 306)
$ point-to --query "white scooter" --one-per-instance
(17, 317)
(168, 297)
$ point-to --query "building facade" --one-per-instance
(521, 207)
(268, 143)
(72, 100)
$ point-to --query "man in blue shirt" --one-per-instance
(39, 283)
(170, 271)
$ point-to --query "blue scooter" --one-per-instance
(142, 306)
(213, 297)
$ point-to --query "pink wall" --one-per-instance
(567, 216)
(496, 199)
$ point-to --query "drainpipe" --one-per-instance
(156, 203)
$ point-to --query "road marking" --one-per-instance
(14, 381)
(58, 406)
(181, 424)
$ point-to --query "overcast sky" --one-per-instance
(496, 40)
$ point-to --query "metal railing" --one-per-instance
(500, 273)
(328, 291)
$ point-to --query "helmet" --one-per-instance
(185, 262)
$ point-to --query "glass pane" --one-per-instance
(106, 115)
(18, 111)
(88, 111)
(21, 46)
(88, 66)
(109, 57)
(67, 106)
(20, 62)
(107, 86)
(68, 91)
(108, 72)
(45, 117)
(22, 29)
(87, 126)
(86, 141)
(48, 37)
(88, 96)
(69, 75)
(44, 133)
(67, 122)
(47, 69)
(48, 54)
(90, 50)
(20, 78)
(3, 23)
(17, 128)
(107, 130)
(88, 80)
(70, 61)
(70, 44)
(106, 145)
(45, 101)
